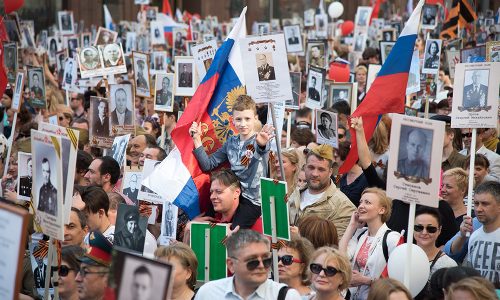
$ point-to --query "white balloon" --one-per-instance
(419, 267)
(335, 10)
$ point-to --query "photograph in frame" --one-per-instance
(131, 184)
(185, 79)
(54, 47)
(432, 56)
(473, 55)
(86, 39)
(388, 35)
(340, 92)
(385, 49)
(168, 223)
(12, 30)
(359, 42)
(70, 74)
(130, 270)
(326, 128)
(159, 62)
(157, 33)
(429, 16)
(452, 58)
(112, 57)
(72, 43)
(24, 176)
(179, 41)
(119, 149)
(309, 17)
(413, 85)
(36, 84)
(131, 43)
(47, 184)
(130, 229)
(65, 19)
(266, 68)
(293, 39)
(164, 93)
(18, 90)
(475, 97)
(295, 79)
(121, 108)
(315, 82)
(317, 53)
(414, 170)
(105, 36)
(493, 51)
(89, 61)
(10, 61)
(204, 55)
(363, 15)
(141, 74)
(99, 130)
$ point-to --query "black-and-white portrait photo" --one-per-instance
(86, 39)
(12, 30)
(475, 93)
(158, 62)
(316, 54)
(157, 33)
(119, 148)
(112, 55)
(293, 38)
(164, 96)
(385, 50)
(100, 120)
(36, 86)
(415, 145)
(265, 66)
(315, 80)
(141, 278)
(65, 22)
(169, 220)
(151, 12)
(130, 229)
(121, 104)
(131, 42)
(309, 17)
(388, 35)
(89, 58)
(105, 36)
(359, 42)
(180, 38)
(340, 93)
(131, 185)
(327, 125)
(47, 196)
(10, 61)
(432, 56)
(363, 16)
(185, 75)
(141, 74)
(70, 73)
(25, 175)
(295, 81)
(72, 46)
(263, 28)
(429, 13)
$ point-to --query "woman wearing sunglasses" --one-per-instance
(67, 272)
(368, 241)
(330, 274)
(293, 260)
(427, 229)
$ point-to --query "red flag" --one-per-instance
(166, 9)
(376, 9)
(3, 73)
(433, 2)
(189, 36)
(12, 5)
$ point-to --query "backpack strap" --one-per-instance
(362, 232)
(385, 248)
(282, 293)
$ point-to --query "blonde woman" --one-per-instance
(368, 241)
(330, 274)
(472, 288)
(453, 191)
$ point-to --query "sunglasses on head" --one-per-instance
(317, 268)
(254, 263)
(429, 228)
(64, 270)
(288, 260)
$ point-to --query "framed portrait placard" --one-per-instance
(203, 56)
(266, 68)
(295, 78)
(413, 171)
(13, 234)
(413, 84)
(363, 15)
(185, 79)
(65, 19)
(101, 60)
(326, 128)
(168, 223)
(127, 235)
(105, 36)
(293, 39)
(159, 63)
(99, 131)
(18, 90)
(10, 61)
(121, 107)
(432, 56)
(317, 53)
(48, 191)
(429, 16)
(131, 184)
(145, 193)
(36, 84)
(473, 55)
(475, 96)
(315, 83)
(141, 74)
(493, 51)
(452, 58)
(69, 147)
(164, 92)
(119, 149)
(385, 49)
(24, 176)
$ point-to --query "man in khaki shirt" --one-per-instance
(322, 198)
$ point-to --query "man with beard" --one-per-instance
(130, 235)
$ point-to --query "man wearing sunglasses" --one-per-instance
(249, 259)
(92, 278)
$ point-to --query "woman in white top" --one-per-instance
(366, 239)
(427, 229)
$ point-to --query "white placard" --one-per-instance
(203, 56)
(266, 68)
(414, 167)
(326, 128)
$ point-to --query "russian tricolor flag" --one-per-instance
(388, 91)
(179, 178)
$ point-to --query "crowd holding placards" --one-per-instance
(178, 158)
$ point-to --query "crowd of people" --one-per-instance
(343, 227)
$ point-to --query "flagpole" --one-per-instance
(10, 142)
(278, 144)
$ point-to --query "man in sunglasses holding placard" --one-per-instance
(249, 259)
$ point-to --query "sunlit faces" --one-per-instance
(181, 274)
(450, 191)
(428, 223)
(317, 173)
(93, 174)
(245, 122)
(487, 208)
(67, 284)
(369, 207)
(287, 272)
(73, 231)
(224, 198)
(323, 283)
(301, 180)
(238, 264)
(480, 173)
(288, 167)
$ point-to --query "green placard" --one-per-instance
(269, 188)
(218, 254)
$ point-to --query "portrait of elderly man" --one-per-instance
(111, 55)
(264, 68)
(142, 83)
(121, 115)
(164, 95)
(89, 58)
(413, 163)
(475, 94)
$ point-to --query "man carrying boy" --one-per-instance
(247, 155)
